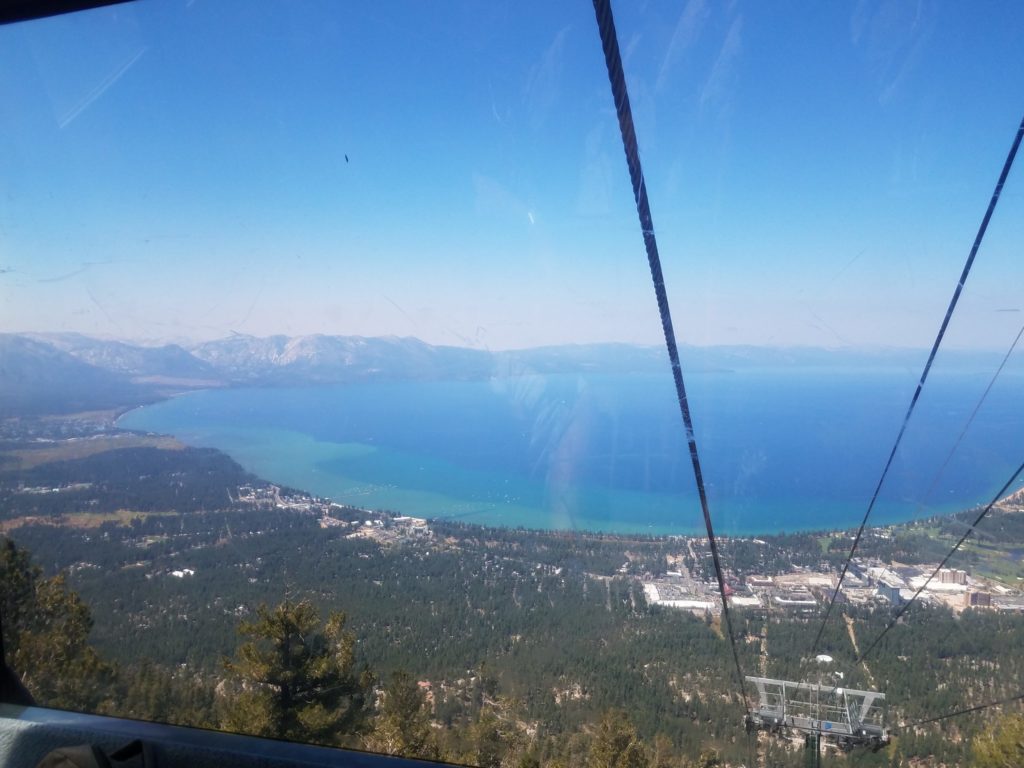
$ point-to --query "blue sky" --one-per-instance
(453, 171)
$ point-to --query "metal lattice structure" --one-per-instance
(844, 716)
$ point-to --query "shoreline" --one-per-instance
(464, 519)
(489, 510)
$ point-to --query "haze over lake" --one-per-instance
(782, 449)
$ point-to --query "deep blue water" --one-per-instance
(781, 449)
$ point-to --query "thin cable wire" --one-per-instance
(949, 715)
(927, 367)
(940, 566)
(949, 456)
(959, 712)
(970, 420)
(616, 76)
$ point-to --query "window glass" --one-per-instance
(335, 403)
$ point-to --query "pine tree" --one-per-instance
(294, 679)
(664, 754)
(616, 744)
(46, 636)
(1001, 745)
(489, 746)
(402, 727)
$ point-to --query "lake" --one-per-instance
(782, 450)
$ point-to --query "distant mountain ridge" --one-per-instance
(68, 372)
(321, 359)
(168, 360)
(38, 378)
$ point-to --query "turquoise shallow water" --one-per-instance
(782, 450)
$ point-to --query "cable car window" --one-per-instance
(518, 384)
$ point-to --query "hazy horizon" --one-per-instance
(860, 349)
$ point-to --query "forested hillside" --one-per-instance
(489, 646)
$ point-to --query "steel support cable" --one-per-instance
(938, 474)
(948, 716)
(970, 420)
(903, 609)
(927, 367)
(959, 712)
(616, 76)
